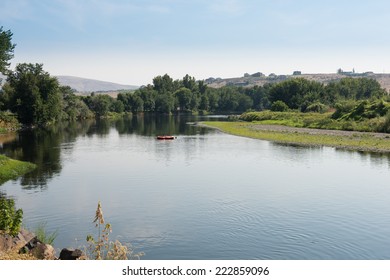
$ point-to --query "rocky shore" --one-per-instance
(26, 246)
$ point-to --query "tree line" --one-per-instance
(166, 95)
(38, 98)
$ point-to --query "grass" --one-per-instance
(315, 120)
(44, 236)
(11, 169)
(351, 141)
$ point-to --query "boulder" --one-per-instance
(43, 252)
(71, 254)
(6, 242)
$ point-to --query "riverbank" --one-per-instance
(11, 169)
(351, 140)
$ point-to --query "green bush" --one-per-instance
(279, 106)
(317, 107)
(10, 218)
(384, 126)
(362, 110)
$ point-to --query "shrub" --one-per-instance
(317, 107)
(10, 218)
(279, 106)
(343, 108)
(385, 125)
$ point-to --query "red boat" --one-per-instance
(165, 137)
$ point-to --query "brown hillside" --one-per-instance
(383, 79)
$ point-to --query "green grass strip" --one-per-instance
(349, 141)
(11, 169)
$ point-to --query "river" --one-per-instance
(204, 195)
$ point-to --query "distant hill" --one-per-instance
(260, 79)
(88, 85)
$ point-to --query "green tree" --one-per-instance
(125, 98)
(6, 49)
(148, 95)
(33, 94)
(228, 99)
(297, 93)
(354, 89)
(117, 106)
(100, 104)
(259, 96)
(184, 96)
(190, 83)
(163, 84)
(204, 102)
(244, 103)
(165, 103)
(137, 104)
(73, 107)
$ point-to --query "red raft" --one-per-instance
(165, 137)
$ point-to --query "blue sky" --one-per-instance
(132, 41)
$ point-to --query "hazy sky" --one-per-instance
(132, 41)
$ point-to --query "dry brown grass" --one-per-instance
(14, 255)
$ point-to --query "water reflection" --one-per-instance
(153, 124)
(45, 146)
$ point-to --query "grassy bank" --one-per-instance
(307, 137)
(12, 169)
(317, 120)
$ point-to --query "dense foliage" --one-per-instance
(32, 94)
(6, 49)
(10, 218)
(166, 95)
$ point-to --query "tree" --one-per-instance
(117, 106)
(6, 49)
(190, 83)
(165, 103)
(183, 96)
(163, 84)
(100, 104)
(355, 88)
(33, 94)
(148, 95)
(297, 93)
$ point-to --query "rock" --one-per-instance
(71, 254)
(23, 237)
(6, 242)
(44, 252)
(30, 245)
(27, 235)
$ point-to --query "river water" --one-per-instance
(204, 195)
